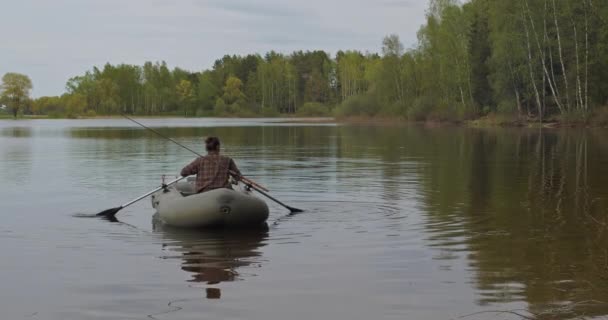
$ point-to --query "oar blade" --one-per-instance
(109, 213)
(294, 210)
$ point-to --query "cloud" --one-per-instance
(52, 41)
(266, 9)
(413, 4)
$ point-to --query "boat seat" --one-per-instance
(186, 187)
(186, 191)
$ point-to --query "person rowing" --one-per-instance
(212, 171)
(206, 179)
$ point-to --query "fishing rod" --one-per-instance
(250, 183)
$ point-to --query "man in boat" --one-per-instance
(213, 170)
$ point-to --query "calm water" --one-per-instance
(400, 223)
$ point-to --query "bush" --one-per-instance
(220, 108)
(420, 109)
(56, 115)
(269, 112)
(241, 111)
(91, 113)
(361, 105)
(507, 107)
(232, 110)
(313, 109)
(574, 117)
(395, 109)
(600, 116)
(498, 119)
(204, 113)
(444, 114)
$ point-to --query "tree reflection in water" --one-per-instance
(529, 208)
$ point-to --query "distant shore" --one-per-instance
(279, 119)
(483, 122)
(487, 121)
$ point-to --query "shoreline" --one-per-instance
(484, 122)
(275, 119)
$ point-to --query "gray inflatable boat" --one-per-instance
(179, 206)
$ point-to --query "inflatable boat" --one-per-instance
(179, 206)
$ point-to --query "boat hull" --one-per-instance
(215, 208)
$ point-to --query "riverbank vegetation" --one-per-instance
(519, 61)
(14, 92)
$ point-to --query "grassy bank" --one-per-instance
(288, 117)
(22, 117)
(597, 119)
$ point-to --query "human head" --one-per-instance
(212, 144)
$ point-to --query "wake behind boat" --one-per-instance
(179, 206)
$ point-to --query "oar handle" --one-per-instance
(248, 181)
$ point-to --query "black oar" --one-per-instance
(262, 190)
(110, 213)
(292, 209)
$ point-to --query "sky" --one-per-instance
(51, 41)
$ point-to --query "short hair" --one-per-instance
(212, 144)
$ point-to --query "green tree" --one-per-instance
(277, 81)
(15, 91)
(393, 68)
(232, 91)
(479, 55)
(47, 105)
(530, 58)
(74, 104)
(207, 91)
(185, 93)
(109, 99)
(351, 73)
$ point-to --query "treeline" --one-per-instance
(528, 58)
(236, 85)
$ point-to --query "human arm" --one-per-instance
(191, 169)
(234, 170)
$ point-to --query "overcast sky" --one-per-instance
(52, 41)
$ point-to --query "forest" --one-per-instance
(520, 59)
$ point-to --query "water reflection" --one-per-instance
(526, 208)
(16, 161)
(466, 219)
(241, 135)
(16, 132)
(530, 212)
(213, 256)
(269, 151)
(15, 154)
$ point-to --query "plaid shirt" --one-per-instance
(212, 171)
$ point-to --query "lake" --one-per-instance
(400, 222)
